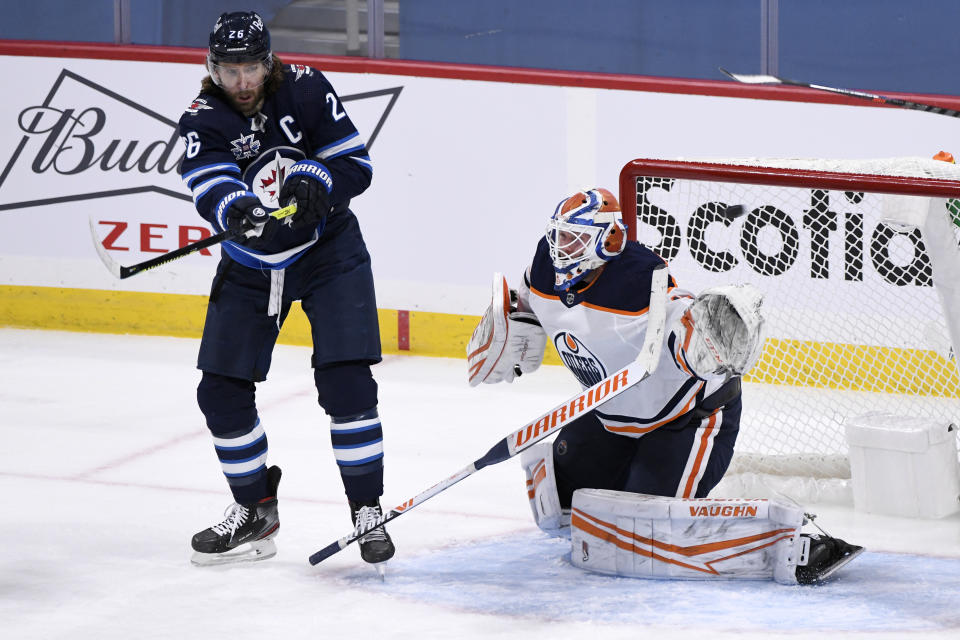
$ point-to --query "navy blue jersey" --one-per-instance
(229, 154)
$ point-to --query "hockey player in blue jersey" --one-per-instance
(261, 135)
(662, 444)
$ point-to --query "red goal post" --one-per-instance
(856, 259)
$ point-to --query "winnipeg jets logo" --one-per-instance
(197, 105)
(245, 147)
(270, 179)
(301, 70)
(266, 174)
(581, 361)
(270, 184)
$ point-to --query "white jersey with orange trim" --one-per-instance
(601, 328)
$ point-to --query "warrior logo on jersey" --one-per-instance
(266, 174)
(197, 105)
(582, 363)
(245, 147)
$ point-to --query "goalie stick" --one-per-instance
(872, 97)
(122, 272)
(550, 422)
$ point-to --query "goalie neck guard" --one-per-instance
(585, 231)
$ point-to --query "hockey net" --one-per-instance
(857, 318)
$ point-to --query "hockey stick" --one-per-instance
(550, 422)
(122, 272)
(872, 97)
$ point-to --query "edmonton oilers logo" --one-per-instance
(585, 366)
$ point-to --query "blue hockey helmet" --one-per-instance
(239, 37)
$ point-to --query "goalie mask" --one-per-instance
(240, 55)
(585, 232)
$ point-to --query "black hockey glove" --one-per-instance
(246, 214)
(309, 183)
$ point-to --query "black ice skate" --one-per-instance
(376, 547)
(245, 535)
(825, 556)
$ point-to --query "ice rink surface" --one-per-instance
(107, 469)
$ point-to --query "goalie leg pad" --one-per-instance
(537, 462)
(643, 536)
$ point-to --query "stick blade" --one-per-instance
(112, 265)
(751, 79)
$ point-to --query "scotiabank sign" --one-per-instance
(792, 233)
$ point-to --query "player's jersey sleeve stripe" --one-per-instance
(681, 402)
(679, 352)
(204, 187)
(699, 455)
(199, 171)
(341, 147)
(363, 161)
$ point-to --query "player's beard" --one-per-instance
(248, 101)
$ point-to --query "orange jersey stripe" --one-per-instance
(689, 488)
(595, 307)
(649, 428)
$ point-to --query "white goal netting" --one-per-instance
(856, 315)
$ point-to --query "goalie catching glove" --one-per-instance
(507, 342)
(722, 331)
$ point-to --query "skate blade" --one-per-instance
(250, 552)
(839, 565)
(381, 569)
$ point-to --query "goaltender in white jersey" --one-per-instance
(629, 480)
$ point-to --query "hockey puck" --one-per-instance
(735, 211)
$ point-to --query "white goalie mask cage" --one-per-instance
(585, 231)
